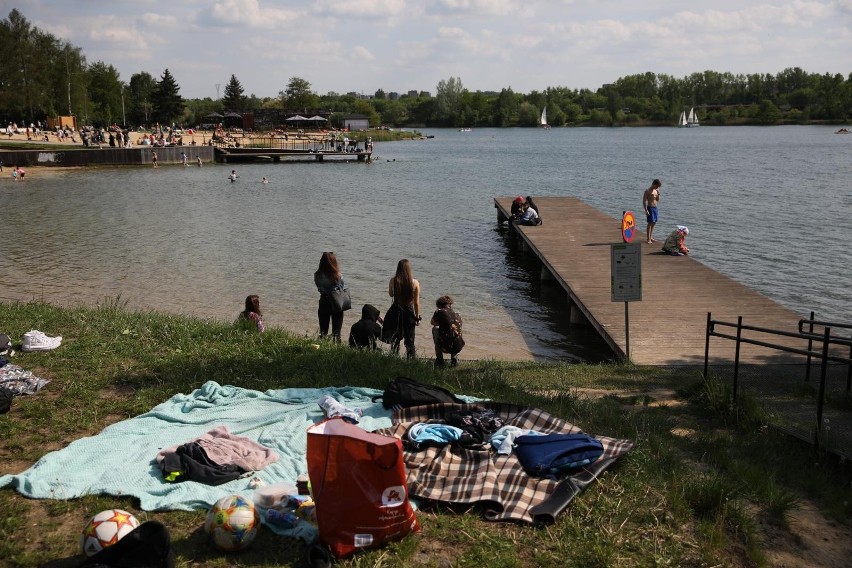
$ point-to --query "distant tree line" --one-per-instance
(41, 76)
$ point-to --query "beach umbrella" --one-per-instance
(296, 118)
(232, 115)
(317, 118)
(213, 115)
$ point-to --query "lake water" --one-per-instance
(770, 207)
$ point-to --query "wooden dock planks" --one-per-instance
(668, 326)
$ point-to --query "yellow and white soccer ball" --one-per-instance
(105, 529)
(232, 523)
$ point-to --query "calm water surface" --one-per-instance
(769, 207)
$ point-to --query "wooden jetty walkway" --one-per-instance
(255, 154)
(667, 327)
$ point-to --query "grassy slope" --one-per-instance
(696, 490)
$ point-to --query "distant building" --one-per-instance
(413, 94)
(393, 96)
(356, 122)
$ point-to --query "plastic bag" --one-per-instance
(359, 487)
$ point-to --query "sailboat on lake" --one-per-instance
(692, 119)
(544, 118)
(688, 120)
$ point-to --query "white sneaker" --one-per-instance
(37, 341)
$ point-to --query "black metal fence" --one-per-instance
(815, 409)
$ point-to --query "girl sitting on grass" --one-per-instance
(252, 313)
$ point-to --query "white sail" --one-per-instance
(682, 122)
(692, 120)
(544, 117)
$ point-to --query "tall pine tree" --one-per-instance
(166, 101)
(234, 99)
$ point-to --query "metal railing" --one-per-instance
(824, 324)
(818, 347)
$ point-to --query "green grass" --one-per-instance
(701, 499)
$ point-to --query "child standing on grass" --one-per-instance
(252, 312)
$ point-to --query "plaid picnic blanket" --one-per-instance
(481, 476)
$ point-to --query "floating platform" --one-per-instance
(668, 326)
(230, 155)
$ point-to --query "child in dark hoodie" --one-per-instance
(365, 331)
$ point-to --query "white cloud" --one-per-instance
(360, 9)
(361, 53)
(159, 21)
(486, 7)
(248, 13)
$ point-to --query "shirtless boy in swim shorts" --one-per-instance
(649, 202)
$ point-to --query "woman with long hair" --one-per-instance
(405, 291)
(327, 278)
(252, 312)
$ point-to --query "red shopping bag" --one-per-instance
(358, 485)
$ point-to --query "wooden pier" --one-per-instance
(667, 327)
(229, 155)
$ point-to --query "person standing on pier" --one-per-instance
(649, 203)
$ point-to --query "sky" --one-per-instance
(361, 46)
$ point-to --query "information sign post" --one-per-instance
(626, 280)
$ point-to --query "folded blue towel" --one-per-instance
(441, 433)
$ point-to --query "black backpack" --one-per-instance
(403, 392)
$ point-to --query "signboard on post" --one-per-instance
(626, 280)
(626, 275)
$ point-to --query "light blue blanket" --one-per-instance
(121, 459)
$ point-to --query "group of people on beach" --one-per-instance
(398, 327)
(675, 243)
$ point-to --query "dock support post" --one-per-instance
(501, 217)
(575, 316)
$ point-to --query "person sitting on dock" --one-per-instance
(529, 216)
(675, 243)
(529, 200)
(517, 207)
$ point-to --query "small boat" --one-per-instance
(465, 129)
(544, 118)
(692, 119)
(681, 123)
